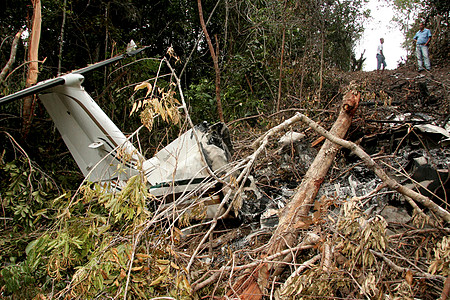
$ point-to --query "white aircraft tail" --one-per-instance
(100, 149)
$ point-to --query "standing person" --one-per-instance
(422, 39)
(380, 56)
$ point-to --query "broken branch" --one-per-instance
(304, 246)
(295, 214)
(300, 269)
(296, 211)
(371, 164)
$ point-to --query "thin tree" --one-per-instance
(61, 37)
(12, 57)
(214, 55)
(283, 41)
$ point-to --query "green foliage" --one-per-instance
(95, 251)
(98, 239)
(356, 236)
(201, 97)
(250, 47)
(25, 190)
(26, 194)
(311, 30)
(434, 14)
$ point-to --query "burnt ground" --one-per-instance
(403, 123)
(396, 109)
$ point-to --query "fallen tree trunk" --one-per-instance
(295, 214)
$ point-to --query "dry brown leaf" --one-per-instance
(409, 277)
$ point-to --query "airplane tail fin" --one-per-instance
(100, 149)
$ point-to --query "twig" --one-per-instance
(300, 269)
(326, 257)
(23, 64)
(369, 195)
(419, 231)
(399, 269)
(264, 139)
(28, 159)
(12, 56)
(133, 252)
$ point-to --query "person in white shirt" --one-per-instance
(380, 56)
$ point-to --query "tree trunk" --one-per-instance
(28, 102)
(214, 56)
(283, 42)
(106, 16)
(294, 216)
(61, 38)
(322, 38)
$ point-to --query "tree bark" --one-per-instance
(295, 214)
(322, 39)
(283, 42)
(446, 289)
(28, 102)
(214, 56)
(12, 56)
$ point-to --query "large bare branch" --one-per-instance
(35, 36)
(296, 211)
(371, 164)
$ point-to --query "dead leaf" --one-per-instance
(144, 85)
(409, 277)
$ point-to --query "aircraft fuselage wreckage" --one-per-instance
(99, 146)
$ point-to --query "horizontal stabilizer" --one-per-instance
(41, 86)
(46, 84)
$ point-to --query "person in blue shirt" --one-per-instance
(422, 39)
